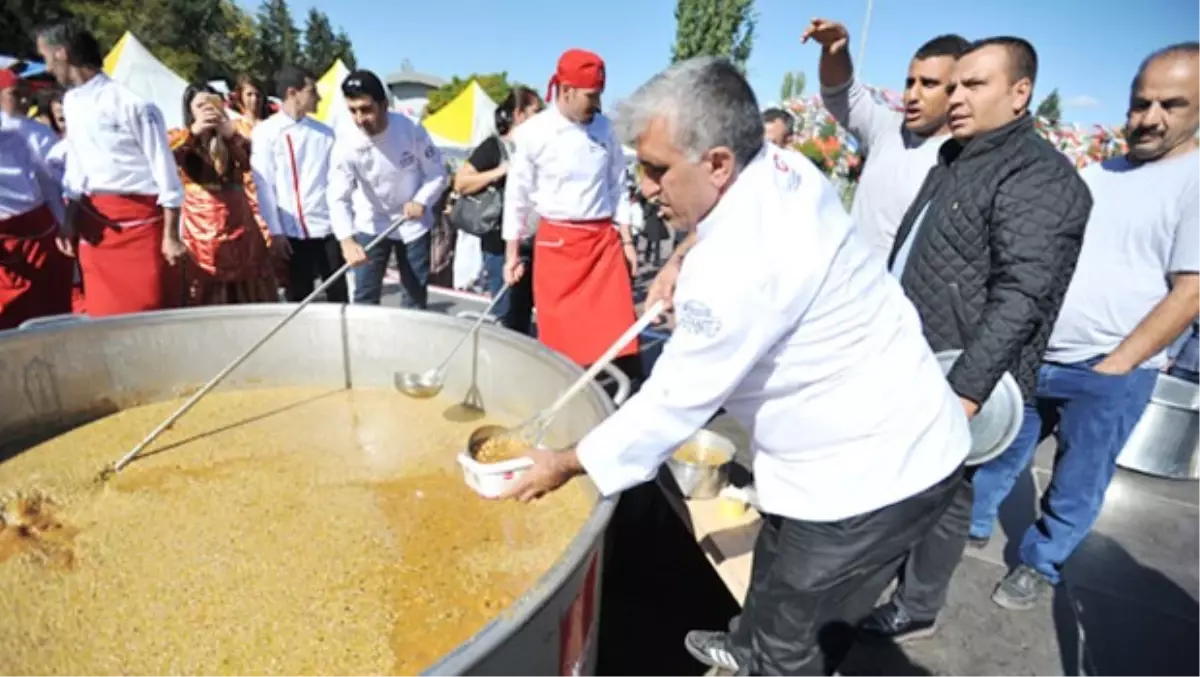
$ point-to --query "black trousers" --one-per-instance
(312, 259)
(925, 579)
(812, 582)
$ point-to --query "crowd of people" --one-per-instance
(817, 329)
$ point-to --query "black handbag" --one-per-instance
(480, 213)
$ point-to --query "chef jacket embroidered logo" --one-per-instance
(697, 318)
(407, 159)
(791, 177)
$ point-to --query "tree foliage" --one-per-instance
(198, 39)
(496, 85)
(1050, 108)
(722, 28)
(792, 86)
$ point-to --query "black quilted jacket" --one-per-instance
(995, 252)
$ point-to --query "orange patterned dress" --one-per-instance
(229, 261)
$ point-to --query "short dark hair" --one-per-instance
(943, 45)
(1179, 49)
(291, 77)
(1022, 57)
(364, 83)
(83, 50)
(778, 115)
(45, 100)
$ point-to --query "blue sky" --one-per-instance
(1089, 49)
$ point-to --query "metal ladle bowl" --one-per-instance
(429, 383)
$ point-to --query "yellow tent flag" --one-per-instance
(114, 55)
(329, 89)
(456, 120)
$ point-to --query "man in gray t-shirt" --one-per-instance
(901, 147)
(1135, 290)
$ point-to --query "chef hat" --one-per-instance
(8, 79)
(577, 68)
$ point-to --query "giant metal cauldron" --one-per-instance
(58, 374)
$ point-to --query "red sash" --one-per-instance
(35, 278)
(228, 262)
(120, 255)
(581, 288)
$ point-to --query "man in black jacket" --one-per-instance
(985, 253)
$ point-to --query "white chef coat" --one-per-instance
(25, 183)
(786, 319)
(563, 171)
(56, 160)
(118, 144)
(371, 179)
(290, 162)
(40, 137)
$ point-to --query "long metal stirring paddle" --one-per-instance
(221, 375)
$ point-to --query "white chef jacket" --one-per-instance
(56, 160)
(40, 137)
(563, 171)
(118, 144)
(371, 179)
(290, 162)
(25, 183)
(786, 320)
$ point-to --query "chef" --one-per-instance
(122, 183)
(289, 159)
(35, 277)
(385, 168)
(39, 136)
(567, 168)
(858, 441)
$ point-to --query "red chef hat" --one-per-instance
(8, 79)
(577, 68)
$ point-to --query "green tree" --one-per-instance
(344, 50)
(277, 38)
(792, 87)
(496, 85)
(20, 18)
(320, 44)
(1050, 108)
(722, 28)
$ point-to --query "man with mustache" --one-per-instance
(985, 252)
(567, 167)
(779, 127)
(1134, 292)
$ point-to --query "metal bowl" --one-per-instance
(996, 424)
(703, 480)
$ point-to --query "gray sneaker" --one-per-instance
(711, 648)
(1021, 589)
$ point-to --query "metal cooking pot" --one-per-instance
(998, 420)
(1163, 443)
(60, 373)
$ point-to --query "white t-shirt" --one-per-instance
(1144, 226)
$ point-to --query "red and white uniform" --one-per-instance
(569, 174)
(35, 278)
(290, 161)
(123, 175)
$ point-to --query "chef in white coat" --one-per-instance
(786, 321)
(385, 168)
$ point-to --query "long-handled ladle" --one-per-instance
(532, 431)
(429, 383)
(216, 380)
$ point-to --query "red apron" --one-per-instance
(120, 255)
(581, 289)
(35, 277)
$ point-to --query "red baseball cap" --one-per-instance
(8, 79)
(577, 68)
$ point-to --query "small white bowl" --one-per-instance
(492, 479)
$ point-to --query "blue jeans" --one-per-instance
(413, 261)
(1095, 414)
(515, 310)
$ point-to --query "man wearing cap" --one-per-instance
(122, 183)
(35, 277)
(567, 168)
(39, 137)
(384, 169)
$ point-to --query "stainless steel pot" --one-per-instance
(698, 480)
(1163, 443)
(61, 373)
